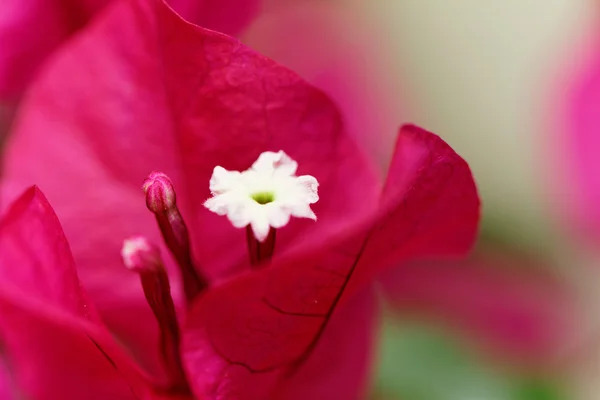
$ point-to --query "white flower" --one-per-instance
(264, 196)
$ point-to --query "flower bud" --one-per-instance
(160, 199)
(140, 255)
(160, 194)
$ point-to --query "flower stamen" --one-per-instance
(140, 256)
(263, 197)
(161, 200)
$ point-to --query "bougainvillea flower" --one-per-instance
(334, 50)
(142, 90)
(56, 345)
(578, 140)
(504, 299)
(31, 32)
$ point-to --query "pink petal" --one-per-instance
(30, 32)
(7, 387)
(577, 150)
(100, 157)
(115, 292)
(430, 206)
(35, 256)
(518, 311)
(336, 368)
(173, 97)
(47, 327)
(227, 16)
(244, 105)
(249, 332)
(340, 364)
(329, 45)
(55, 356)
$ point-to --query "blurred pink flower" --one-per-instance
(142, 90)
(578, 140)
(505, 301)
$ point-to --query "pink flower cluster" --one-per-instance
(192, 316)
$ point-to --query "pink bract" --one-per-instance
(578, 142)
(516, 308)
(143, 90)
(331, 46)
(31, 32)
(57, 347)
(51, 332)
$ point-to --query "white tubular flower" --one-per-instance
(264, 196)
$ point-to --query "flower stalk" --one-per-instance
(260, 252)
(144, 258)
(161, 200)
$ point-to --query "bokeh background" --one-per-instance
(488, 76)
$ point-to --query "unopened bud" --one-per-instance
(160, 199)
(160, 194)
(140, 255)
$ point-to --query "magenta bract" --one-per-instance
(142, 90)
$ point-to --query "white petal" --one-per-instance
(223, 180)
(302, 210)
(218, 204)
(241, 214)
(260, 226)
(255, 182)
(271, 163)
(233, 205)
(277, 215)
(271, 174)
(308, 186)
